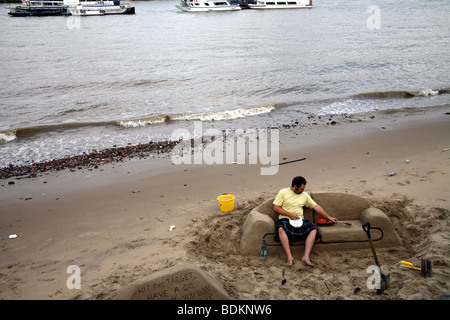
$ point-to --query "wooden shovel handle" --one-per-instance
(366, 228)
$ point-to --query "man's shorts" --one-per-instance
(295, 234)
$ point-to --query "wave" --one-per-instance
(400, 94)
(10, 135)
(202, 116)
(353, 103)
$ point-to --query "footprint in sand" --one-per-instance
(406, 182)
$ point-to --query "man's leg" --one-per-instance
(309, 243)
(285, 243)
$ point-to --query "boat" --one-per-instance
(68, 7)
(289, 4)
(205, 5)
(39, 8)
(80, 11)
(95, 8)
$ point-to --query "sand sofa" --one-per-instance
(261, 222)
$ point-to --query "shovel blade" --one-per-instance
(384, 283)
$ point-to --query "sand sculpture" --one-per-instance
(348, 207)
(182, 282)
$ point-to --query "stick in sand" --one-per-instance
(279, 164)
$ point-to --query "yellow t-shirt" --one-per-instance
(293, 202)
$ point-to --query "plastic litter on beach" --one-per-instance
(171, 227)
(392, 174)
(12, 236)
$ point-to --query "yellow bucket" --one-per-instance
(226, 202)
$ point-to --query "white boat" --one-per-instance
(277, 4)
(91, 7)
(80, 11)
(205, 5)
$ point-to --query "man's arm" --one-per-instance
(283, 212)
(322, 212)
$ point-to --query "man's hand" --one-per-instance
(294, 216)
(322, 212)
(283, 212)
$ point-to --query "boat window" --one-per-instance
(207, 4)
(220, 3)
(292, 3)
(281, 3)
(270, 3)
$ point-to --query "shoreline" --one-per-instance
(95, 159)
(114, 223)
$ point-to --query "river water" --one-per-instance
(74, 84)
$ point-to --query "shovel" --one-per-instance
(384, 280)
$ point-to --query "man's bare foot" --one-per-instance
(290, 262)
(307, 262)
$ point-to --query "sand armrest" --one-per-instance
(379, 220)
(255, 227)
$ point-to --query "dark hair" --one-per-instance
(298, 181)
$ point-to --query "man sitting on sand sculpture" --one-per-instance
(289, 204)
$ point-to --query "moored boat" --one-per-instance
(205, 5)
(277, 4)
(68, 7)
(80, 11)
(39, 8)
(90, 7)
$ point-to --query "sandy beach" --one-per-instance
(113, 221)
